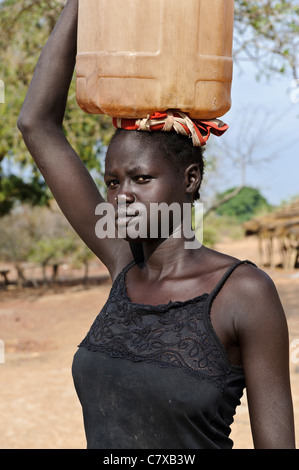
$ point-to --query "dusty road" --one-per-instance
(41, 329)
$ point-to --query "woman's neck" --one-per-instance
(170, 255)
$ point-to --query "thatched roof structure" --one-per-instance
(281, 226)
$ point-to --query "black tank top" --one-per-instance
(156, 377)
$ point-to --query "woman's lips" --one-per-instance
(124, 221)
(124, 215)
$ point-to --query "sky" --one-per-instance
(275, 101)
(257, 104)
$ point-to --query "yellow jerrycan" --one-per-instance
(136, 57)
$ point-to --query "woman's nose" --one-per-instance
(125, 197)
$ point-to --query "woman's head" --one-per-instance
(175, 148)
(147, 170)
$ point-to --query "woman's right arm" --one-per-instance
(40, 122)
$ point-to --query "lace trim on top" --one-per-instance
(177, 334)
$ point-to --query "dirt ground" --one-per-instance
(40, 330)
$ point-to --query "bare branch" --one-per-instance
(226, 198)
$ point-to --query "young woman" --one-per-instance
(184, 329)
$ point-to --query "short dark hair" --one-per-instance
(176, 148)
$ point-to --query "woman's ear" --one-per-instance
(192, 178)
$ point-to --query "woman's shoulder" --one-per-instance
(247, 277)
(250, 298)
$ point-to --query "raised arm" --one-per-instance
(40, 122)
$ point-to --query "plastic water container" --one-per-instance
(136, 57)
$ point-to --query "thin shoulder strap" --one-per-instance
(223, 280)
(130, 265)
(125, 269)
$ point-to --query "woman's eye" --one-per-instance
(111, 184)
(142, 178)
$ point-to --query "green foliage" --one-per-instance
(247, 203)
(216, 228)
(210, 235)
(24, 29)
(13, 188)
(40, 235)
(266, 34)
(51, 251)
(15, 239)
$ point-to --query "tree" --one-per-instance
(51, 252)
(16, 240)
(266, 32)
(13, 188)
(244, 205)
(40, 235)
(24, 28)
(82, 256)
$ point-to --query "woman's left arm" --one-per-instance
(263, 334)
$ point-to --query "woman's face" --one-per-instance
(136, 178)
